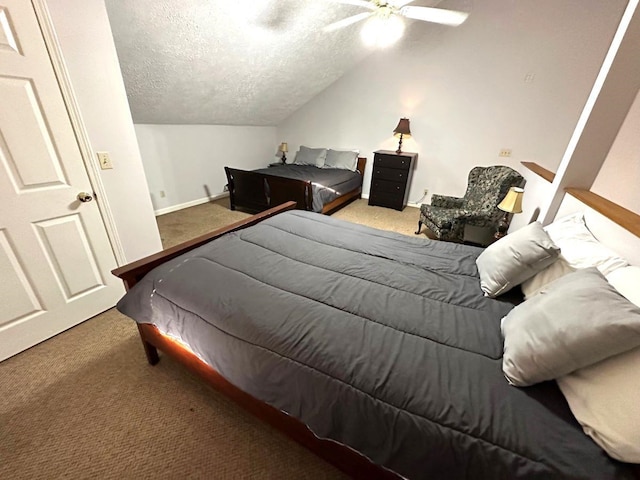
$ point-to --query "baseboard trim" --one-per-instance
(200, 201)
(409, 204)
(192, 203)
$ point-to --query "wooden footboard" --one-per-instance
(133, 272)
(255, 191)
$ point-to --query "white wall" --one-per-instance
(619, 176)
(187, 162)
(87, 45)
(465, 93)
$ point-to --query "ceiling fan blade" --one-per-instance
(357, 3)
(345, 22)
(436, 15)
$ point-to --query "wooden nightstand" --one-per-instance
(391, 178)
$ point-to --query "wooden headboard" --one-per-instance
(613, 225)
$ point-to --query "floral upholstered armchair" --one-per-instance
(447, 216)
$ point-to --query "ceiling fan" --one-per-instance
(385, 26)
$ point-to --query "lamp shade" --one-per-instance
(403, 128)
(512, 202)
(283, 147)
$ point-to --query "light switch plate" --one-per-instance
(104, 160)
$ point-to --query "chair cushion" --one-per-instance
(441, 217)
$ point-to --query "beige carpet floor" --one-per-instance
(85, 404)
(185, 224)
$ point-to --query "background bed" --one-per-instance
(259, 190)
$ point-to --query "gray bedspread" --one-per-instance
(379, 341)
(327, 183)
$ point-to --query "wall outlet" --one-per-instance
(504, 152)
(104, 160)
(162, 194)
(425, 192)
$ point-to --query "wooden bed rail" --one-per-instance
(133, 272)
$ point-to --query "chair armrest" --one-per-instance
(445, 201)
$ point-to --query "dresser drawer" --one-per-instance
(388, 200)
(391, 161)
(392, 174)
(385, 186)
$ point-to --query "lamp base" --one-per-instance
(503, 226)
(399, 150)
(284, 158)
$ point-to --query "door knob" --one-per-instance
(84, 197)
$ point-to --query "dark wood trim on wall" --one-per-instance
(614, 212)
(548, 175)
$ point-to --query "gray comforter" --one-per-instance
(327, 184)
(376, 340)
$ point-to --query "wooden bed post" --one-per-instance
(150, 351)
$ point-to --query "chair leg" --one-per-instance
(419, 227)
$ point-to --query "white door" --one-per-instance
(55, 256)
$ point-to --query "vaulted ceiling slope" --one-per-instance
(229, 62)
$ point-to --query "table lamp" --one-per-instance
(284, 148)
(402, 130)
(511, 203)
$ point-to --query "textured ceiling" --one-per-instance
(230, 62)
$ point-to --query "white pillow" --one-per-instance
(605, 397)
(515, 258)
(580, 248)
(557, 269)
(627, 281)
(310, 156)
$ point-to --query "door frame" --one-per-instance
(82, 135)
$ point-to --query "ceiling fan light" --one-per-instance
(382, 31)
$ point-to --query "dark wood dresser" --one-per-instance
(391, 178)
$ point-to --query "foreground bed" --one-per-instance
(377, 341)
(322, 190)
